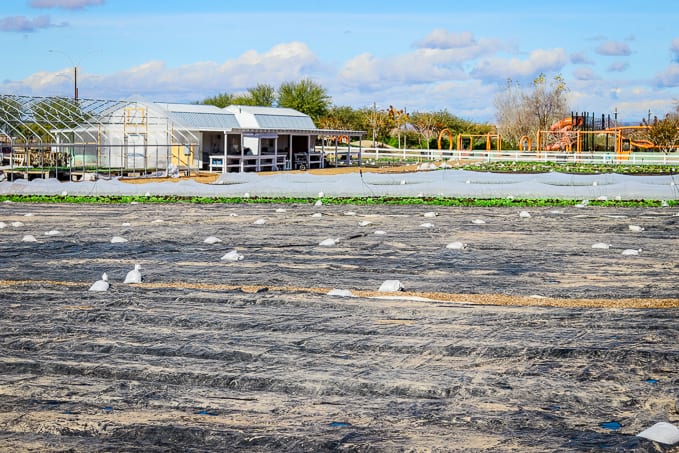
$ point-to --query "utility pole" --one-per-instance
(75, 73)
(616, 117)
(75, 83)
(374, 123)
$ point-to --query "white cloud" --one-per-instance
(283, 62)
(640, 91)
(594, 95)
(636, 109)
(23, 24)
(41, 81)
(148, 76)
(585, 73)
(421, 66)
(580, 58)
(613, 48)
(631, 99)
(618, 66)
(674, 47)
(459, 97)
(153, 79)
(462, 98)
(460, 55)
(441, 56)
(361, 70)
(669, 78)
(499, 69)
(65, 4)
(446, 70)
(443, 39)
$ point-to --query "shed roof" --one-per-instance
(280, 118)
(312, 132)
(205, 121)
(200, 116)
(260, 110)
(190, 108)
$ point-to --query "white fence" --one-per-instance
(368, 155)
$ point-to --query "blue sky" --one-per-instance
(421, 55)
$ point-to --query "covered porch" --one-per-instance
(255, 149)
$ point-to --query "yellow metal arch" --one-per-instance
(528, 141)
(450, 138)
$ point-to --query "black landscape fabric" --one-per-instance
(253, 355)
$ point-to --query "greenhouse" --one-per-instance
(56, 136)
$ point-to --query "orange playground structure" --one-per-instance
(466, 142)
(584, 132)
(587, 133)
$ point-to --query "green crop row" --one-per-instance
(361, 201)
(572, 167)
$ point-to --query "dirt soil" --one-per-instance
(526, 340)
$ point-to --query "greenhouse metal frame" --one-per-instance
(71, 138)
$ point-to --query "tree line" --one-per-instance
(519, 112)
(523, 112)
(384, 126)
(664, 132)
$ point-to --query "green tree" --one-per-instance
(56, 113)
(376, 122)
(427, 126)
(220, 100)
(341, 117)
(263, 95)
(459, 125)
(242, 99)
(664, 133)
(305, 96)
(10, 116)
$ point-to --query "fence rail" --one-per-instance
(157, 160)
(377, 155)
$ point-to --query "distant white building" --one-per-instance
(142, 136)
(135, 136)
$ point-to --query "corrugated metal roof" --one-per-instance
(235, 118)
(259, 110)
(284, 122)
(189, 108)
(205, 121)
(312, 132)
(271, 117)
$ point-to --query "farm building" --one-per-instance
(138, 136)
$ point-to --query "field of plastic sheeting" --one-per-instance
(447, 183)
(523, 338)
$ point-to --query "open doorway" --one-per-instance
(213, 145)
